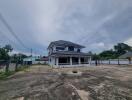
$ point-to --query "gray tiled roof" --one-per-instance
(126, 55)
(69, 53)
(65, 43)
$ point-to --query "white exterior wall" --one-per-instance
(66, 49)
(52, 62)
(54, 48)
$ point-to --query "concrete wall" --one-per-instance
(11, 67)
(113, 61)
(40, 62)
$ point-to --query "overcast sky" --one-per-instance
(96, 24)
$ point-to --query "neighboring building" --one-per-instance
(35, 60)
(128, 56)
(44, 60)
(29, 60)
(66, 54)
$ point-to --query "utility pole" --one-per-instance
(118, 61)
(31, 56)
(31, 52)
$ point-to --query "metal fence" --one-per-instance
(113, 62)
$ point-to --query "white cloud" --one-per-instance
(129, 41)
(96, 24)
(101, 44)
(26, 53)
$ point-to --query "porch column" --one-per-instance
(70, 60)
(57, 61)
(89, 60)
(79, 60)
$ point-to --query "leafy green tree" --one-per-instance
(4, 52)
(18, 57)
(8, 48)
(119, 49)
(122, 48)
(95, 57)
(108, 54)
(5, 56)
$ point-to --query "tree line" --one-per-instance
(4, 54)
(6, 58)
(118, 50)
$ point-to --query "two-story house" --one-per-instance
(66, 54)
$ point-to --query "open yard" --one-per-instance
(41, 82)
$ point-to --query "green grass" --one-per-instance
(5, 75)
(22, 68)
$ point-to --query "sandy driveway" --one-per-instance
(90, 83)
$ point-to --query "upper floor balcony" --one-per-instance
(61, 48)
(62, 45)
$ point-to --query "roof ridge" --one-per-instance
(65, 42)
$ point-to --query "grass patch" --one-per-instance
(23, 68)
(4, 75)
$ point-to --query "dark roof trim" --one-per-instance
(71, 54)
(65, 43)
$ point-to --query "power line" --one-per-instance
(7, 38)
(11, 30)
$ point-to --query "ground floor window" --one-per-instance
(84, 60)
(64, 60)
(75, 60)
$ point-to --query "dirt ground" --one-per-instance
(41, 82)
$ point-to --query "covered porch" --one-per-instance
(72, 61)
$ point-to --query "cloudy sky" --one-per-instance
(96, 24)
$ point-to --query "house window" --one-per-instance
(70, 48)
(78, 50)
(60, 48)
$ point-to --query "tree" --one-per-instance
(8, 48)
(122, 48)
(4, 52)
(90, 53)
(17, 58)
(108, 54)
(119, 49)
(96, 58)
(5, 56)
